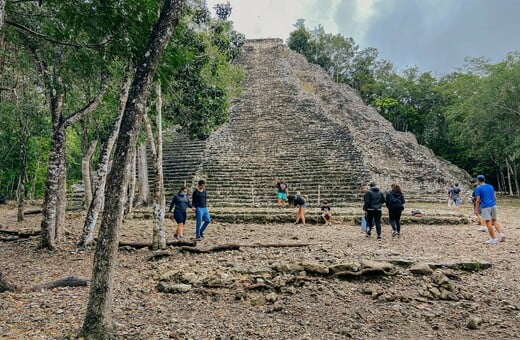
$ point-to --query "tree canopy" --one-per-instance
(469, 117)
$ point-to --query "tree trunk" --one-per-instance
(142, 170)
(513, 175)
(61, 202)
(85, 172)
(87, 237)
(131, 187)
(32, 191)
(98, 321)
(55, 191)
(48, 225)
(23, 179)
(159, 234)
(23, 139)
(2, 14)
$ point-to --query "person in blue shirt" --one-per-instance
(486, 202)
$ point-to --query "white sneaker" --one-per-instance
(483, 229)
(501, 237)
(491, 241)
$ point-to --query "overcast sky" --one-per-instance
(435, 35)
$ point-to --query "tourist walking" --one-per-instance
(456, 196)
(298, 202)
(486, 201)
(395, 203)
(326, 213)
(179, 203)
(372, 204)
(476, 210)
(283, 192)
(199, 202)
(450, 200)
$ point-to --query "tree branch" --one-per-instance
(49, 39)
(94, 103)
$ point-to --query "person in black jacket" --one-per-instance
(180, 201)
(199, 202)
(395, 204)
(373, 201)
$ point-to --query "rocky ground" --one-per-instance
(435, 281)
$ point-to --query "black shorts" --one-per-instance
(179, 216)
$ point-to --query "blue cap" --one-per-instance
(481, 178)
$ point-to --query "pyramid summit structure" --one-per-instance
(293, 121)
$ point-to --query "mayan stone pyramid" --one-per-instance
(293, 121)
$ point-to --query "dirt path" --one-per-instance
(275, 293)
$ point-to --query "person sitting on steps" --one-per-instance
(326, 213)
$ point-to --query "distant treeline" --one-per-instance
(469, 117)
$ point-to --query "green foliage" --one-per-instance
(198, 75)
(81, 43)
(471, 118)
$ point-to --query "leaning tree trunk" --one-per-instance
(87, 237)
(142, 171)
(159, 234)
(131, 186)
(98, 321)
(85, 173)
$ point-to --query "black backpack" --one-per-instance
(392, 200)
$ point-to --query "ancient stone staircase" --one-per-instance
(293, 121)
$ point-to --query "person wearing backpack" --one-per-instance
(395, 204)
(372, 203)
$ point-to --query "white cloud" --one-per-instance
(276, 18)
(432, 34)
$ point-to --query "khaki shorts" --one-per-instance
(489, 213)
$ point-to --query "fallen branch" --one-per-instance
(226, 247)
(276, 245)
(10, 238)
(367, 272)
(33, 212)
(23, 233)
(140, 245)
(159, 255)
(70, 281)
(258, 285)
